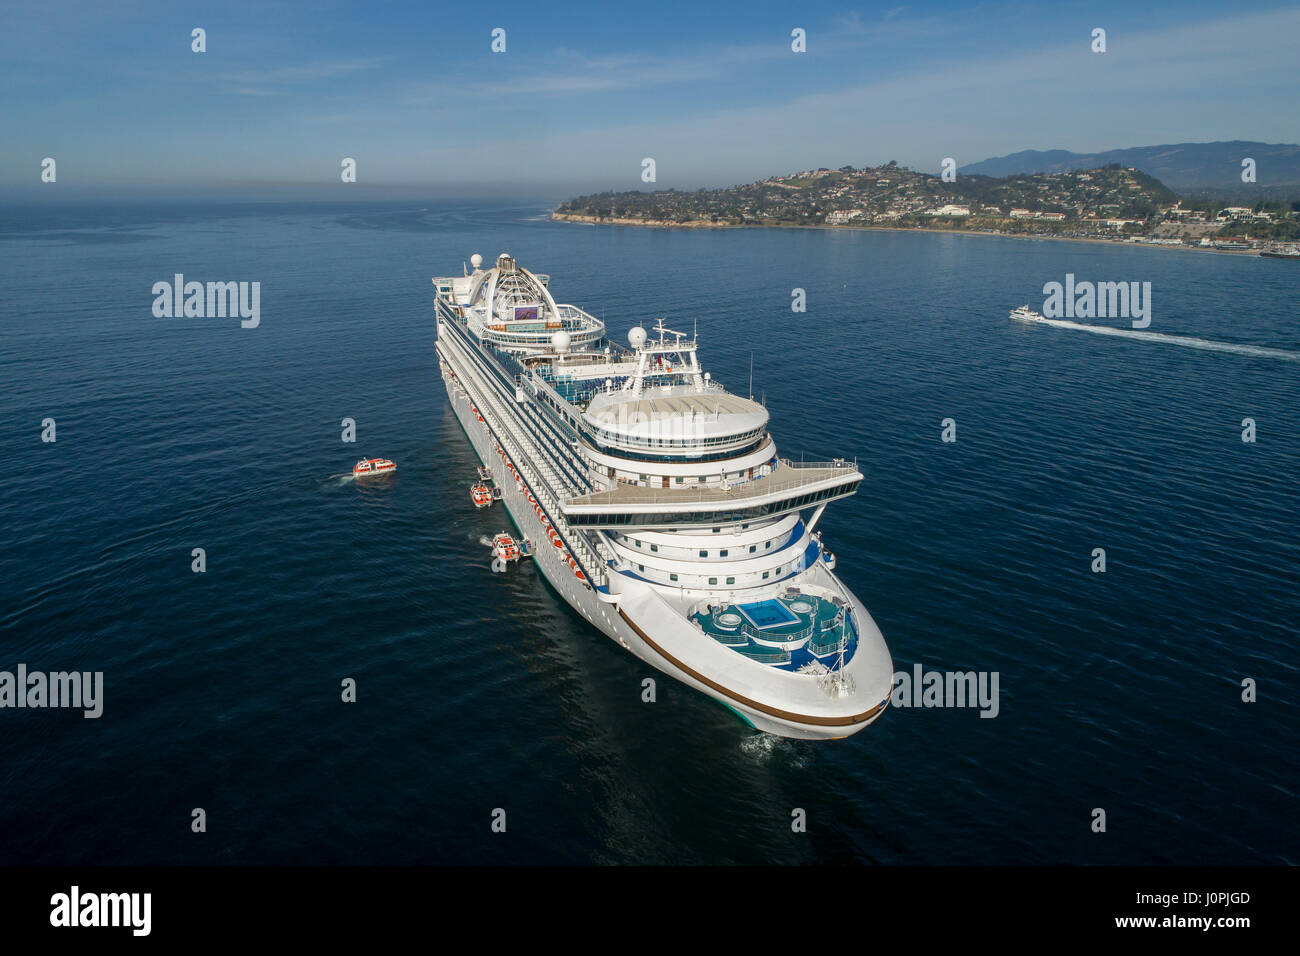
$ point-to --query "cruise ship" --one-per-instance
(655, 503)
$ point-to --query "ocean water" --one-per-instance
(478, 691)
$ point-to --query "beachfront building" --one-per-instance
(949, 210)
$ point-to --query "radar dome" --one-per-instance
(561, 340)
(476, 260)
(636, 337)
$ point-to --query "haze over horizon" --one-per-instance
(716, 96)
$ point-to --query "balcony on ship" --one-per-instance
(790, 486)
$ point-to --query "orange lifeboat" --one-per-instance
(505, 547)
(481, 495)
(372, 466)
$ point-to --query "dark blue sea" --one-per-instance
(1120, 690)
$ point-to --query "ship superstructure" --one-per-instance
(658, 505)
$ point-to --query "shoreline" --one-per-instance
(703, 224)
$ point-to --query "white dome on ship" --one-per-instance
(561, 340)
(636, 337)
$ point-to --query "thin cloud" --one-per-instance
(279, 80)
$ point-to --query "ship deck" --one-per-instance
(794, 629)
(786, 476)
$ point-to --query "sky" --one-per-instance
(584, 92)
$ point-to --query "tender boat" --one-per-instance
(481, 495)
(1025, 314)
(505, 548)
(372, 466)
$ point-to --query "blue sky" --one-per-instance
(583, 92)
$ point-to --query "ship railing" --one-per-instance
(826, 643)
(833, 463)
(770, 483)
(759, 634)
(530, 465)
(541, 385)
(770, 655)
(573, 466)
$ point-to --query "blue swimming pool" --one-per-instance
(766, 614)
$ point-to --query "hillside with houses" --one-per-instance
(1110, 202)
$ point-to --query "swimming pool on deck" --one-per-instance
(768, 614)
(788, 631)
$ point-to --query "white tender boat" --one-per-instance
(1025, 314)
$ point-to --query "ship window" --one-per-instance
(765, 574)
(704, 554)
(654, 547)
(644, 478)
(641, 566)
(722, 553)
(713, 580)
(672, 577)
(753, 548)
(680, 479)
(638, 543)
(716, 530)
(731, 580)
(768, 545)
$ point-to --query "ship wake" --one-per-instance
(1186, 341)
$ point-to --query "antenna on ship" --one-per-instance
(751, 376)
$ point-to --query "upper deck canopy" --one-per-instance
(513, 307)
(678, 416)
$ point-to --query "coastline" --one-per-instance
(708, 224)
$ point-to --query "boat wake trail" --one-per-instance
(1186, 341)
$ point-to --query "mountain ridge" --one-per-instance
(1193, 169)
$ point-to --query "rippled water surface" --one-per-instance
(475, 691)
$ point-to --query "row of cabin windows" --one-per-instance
(680, 479)
(766, 575)
(725, 551)
(619, 440)
(646, 480)
(704, 553)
